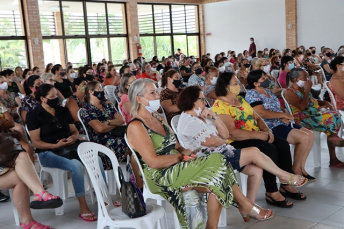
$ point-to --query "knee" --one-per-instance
(77, 166)
(22, 156)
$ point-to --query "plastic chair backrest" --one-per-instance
(83, 125)
(324, 76)
(274, 73)
(64, 102)
(174, 125)
(287, 106)
(19, 114)
(88, 153)
(110, 93)
(27, 130)
(330, 93)
(163, 113)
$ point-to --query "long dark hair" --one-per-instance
(90, 86)
(43, 91)
(6, 72)
(29, 83)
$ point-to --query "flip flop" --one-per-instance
(338, 166)
(84, 216)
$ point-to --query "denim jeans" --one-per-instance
(51, 160)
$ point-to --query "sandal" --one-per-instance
(290, 182)
(293, 195)
(336, 142)
(338, 166)
(280, 203)
(254, 213)
(84, 217)
(37, 225)
(309, 177)
(49, 201)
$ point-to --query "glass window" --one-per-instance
(162, 19)
(180, 43)
(178, 19)
(191, 17)
(193, 45)
(145, 16)
(115, 17)
(12, 53)
(50, 17)
(96, 18)
(99, 49)
(53, 51)
(10, 19)
(119, 50)
(73, 17)
(147, 44)
(76, 51)
(163, 46)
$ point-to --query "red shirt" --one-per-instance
(252, 47)
(145, 75)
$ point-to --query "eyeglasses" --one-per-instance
(203, 100)
(51, 80)
(56, 121)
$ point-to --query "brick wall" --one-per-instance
(291, 21)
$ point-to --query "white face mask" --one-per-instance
(267, 68)
(153, 106)
(301, 83)
(153, 69)
(222, 69)
(229, 55)
(198, 111)
(251, 42)
(213, 81)
(4, 86)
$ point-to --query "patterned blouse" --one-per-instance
(242, 115)
(196, 80)
(242, 74)
(10, 103)
(254, 98)
(168, 94)
(78, 124)
(207, 89)
(339, 101)
(28, 103)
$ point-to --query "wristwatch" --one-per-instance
(216, 116)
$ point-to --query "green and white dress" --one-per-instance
(212, 172)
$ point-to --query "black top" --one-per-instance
(64, 88)
(52, 128)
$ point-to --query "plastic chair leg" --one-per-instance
(176, 221)
(223, 218)
(60, 187)
(317, 149)
(243, 183)
(15, 212)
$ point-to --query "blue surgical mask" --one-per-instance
(291, 66)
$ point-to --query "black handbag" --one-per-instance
(70, 152)
(10, 147)
(132, 201)
(119, 131)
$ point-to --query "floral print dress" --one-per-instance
(312, 118)
(117, 144)
(212, 172)
(28, 103)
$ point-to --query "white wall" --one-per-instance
(232, 23)
(320, 22)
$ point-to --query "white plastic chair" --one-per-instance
(64, 102)
(274, 73)
(14, 209)
(110, 93)
(317, 138)
(108, 215)
(85, 136)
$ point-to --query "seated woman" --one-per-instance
(18, 72)
(313, 114)
(325, 63)
(112, 77)
(49, 78)
(9, 99)
(243, 72)
(267, 106)
(186, 69)
(88, 73)
(211, 75)
(148, 73)
(287, 64)
(202, 131)
(51, 129)
(197, 78)
(100, 118)
(169, 96)
(13, 83)
(311, 67)
(262, 64)
(77, 101)
(161, 156)
(248, 130)
(100, 75)
(125, 105)
(275, 63)
(29, 102)
(336, 84)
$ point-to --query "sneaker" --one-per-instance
(3, 198)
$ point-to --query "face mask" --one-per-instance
(251, 42)
(247, 65)
(227, 64)
(300, 52)
(213, 81)
(4, 86)
(153, 106)
(273, 53)
(313, 51)
(102, 70)
(62, 74)
(89, 77)
(198, 71)
(198, 111)
(309, 54)
(53, 103)
(280, 56)
(229, 55)
(153, 69)
(266, 69)
(328, 54)
(193, 60)
(277, 63)
(291, 66)
(301, 83)
(265, 83)
(74, 75)
(82, 88)
(233, 55)
(235, 89)
(222, 69)
(177, 83)
(100, 95)
(11, 80)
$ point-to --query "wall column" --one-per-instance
(291, 23)
(33, 30)
(133, 28)
(201, 30)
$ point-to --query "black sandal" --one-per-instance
(309, 177)
(281, 203)
(293, 195)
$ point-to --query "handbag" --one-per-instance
(10, 148)
(70, 152)
(132, 201)
(119, 131)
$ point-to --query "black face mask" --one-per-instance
(273, 53)
(247, 65)
(277, 63)
(280, 56)
(300, 52)
(100, 95)
(177, 83)
(62, 74)
(265, 83)
(233, 55)
(89, 77)
(134, 72)
(309, 54)
(102, 70)
(198, 71)
(53, 103)
(328, 54)
(313, 51)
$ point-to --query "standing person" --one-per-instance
(252, 50)
(63, 85)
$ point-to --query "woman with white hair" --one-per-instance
(49, 78)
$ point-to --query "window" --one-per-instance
(13, 46)
(83, 31)
(165, 28)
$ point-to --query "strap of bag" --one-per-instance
(120, 174)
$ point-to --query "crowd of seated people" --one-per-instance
(221, 126)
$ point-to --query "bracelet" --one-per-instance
(216, 116)
(109, 122)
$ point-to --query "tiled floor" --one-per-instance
(323, 209)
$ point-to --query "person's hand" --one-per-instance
(186, 152)
(288, 116)
(63, 142)
(117, 115)
(205, 113)
(271, 136)
(72, 139)
(308, 85)
(285, 121)
(262, 136)
(15, 79)
(190, 158)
